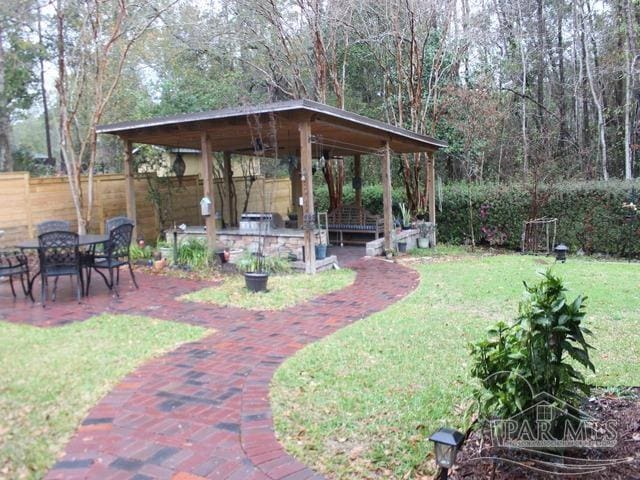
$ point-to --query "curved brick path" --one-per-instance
(203, 409)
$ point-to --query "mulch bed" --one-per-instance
(503, 463)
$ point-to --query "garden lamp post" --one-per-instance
(446, 442)
(561, 252)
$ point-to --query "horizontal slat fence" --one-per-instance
(26, 201)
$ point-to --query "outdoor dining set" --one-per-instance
(63, 253)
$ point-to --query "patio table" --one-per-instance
(89, 241)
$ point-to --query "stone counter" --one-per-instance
(278, 241)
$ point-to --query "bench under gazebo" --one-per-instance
(299, 126)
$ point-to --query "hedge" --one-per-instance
(590, 214)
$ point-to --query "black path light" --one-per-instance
(561, 252)
(179, 167)
(446, 442)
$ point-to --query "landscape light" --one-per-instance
(447, 442)
(561, 252)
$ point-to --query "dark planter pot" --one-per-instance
(321, 252)
(402, 247)
(256, 282)
(406, 227)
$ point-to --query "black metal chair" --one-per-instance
(114, 222)
(116, 255)
(53, 226)
(15, 264)
(59, 256)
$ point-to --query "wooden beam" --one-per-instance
(296, 192)
(386, 196)
(357, 173)
(207, 183)
(130, 192)
(307, 193)
(229, 187)
(431, 190)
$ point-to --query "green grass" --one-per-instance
(362, 402)
(283, 291)
(51, 377)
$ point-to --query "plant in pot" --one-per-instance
(166, 250)
(405, 215)
(256, 275)
(425, 231)
(256, 266)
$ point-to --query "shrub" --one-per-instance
(137, 252)
(590, 215)
(194, 253)
(535, 354)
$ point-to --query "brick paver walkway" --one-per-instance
(202, 410)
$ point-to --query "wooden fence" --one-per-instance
(26, 201)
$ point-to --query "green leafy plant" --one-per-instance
(194, 253)
(405, 215)
(535, 354)
(136, 252)
(253, 262)
(425, 229)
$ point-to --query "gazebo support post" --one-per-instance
(228, 180)
(307, 195)
(386, 196)
(431, 190)
(357, 173)
(296, 192)
(130, 192)
(207, 185)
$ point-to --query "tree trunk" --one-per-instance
(596, 92)
(630, 58)
(6, 159)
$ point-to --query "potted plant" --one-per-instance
(165, 249)
(256, 275)
(405, 216)
(425, 232)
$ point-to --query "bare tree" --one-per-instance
(93, 42)
(597, 94)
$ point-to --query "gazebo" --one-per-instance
(298, 125)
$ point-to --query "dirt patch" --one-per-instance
(479, 460)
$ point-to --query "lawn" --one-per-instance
(360, 403)
(283, 291)
(51, 377)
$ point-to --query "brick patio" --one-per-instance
(202, 410)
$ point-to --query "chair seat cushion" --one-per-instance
(103, 262)
(6, 271)
(59, 270)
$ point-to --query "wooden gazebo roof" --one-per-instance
(235, 130)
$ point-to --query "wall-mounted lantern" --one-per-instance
(179, 167)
